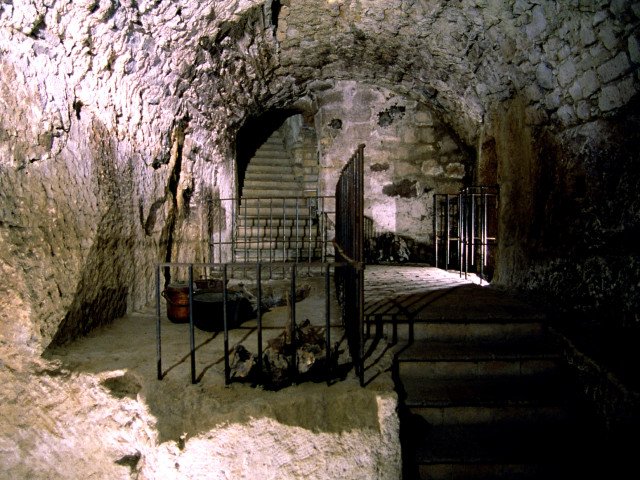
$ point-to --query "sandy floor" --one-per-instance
(95, 408)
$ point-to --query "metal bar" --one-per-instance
(446, 235)
(483, 217)
(435, 228)
(284, 235)
(258, 233)
(327, 319)
(360, 245)
(220, 210)
(460, 234)
(292, 311)
(192, 343)
(322, 225)
(309, 209)
(227, 367)
(245, 226)
(272, 246)
(234, 230)
(259, 315)
(473, 228)
(158, 332)
(297, 231)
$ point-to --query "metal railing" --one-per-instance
(465, 227)
(349, 243)
(261, 234)
(224, 271)
(271, 229)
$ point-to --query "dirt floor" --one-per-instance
(95, 408)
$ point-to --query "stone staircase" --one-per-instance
(484, 390)
(276, 221)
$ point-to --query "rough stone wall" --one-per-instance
(409, 155)
(98, 159)
(565, 149)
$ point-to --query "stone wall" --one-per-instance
(410, 154)
(563, 148)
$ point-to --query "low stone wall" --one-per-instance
(59, 422)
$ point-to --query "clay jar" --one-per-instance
(177, 297)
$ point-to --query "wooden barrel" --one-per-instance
(177, 297)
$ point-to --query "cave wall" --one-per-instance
(578, 190)
(564, 151)
(95, 158)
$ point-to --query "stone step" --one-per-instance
(265, 233)
(265, 193)
(276, 241)
(534, 451)
(542, 388)
(270, 177)
(288, 243)
(491, 414)
(266, 167)
(474, 367)
(288, 212)
(265, 223)
(284, 183)
(461, 331)
(538, 347)
(271, 157)
(277, 255)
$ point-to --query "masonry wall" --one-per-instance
(410, 154)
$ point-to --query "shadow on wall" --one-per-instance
(101, 293)
(393, 248)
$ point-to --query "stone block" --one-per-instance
(634, 47)
(607, 33)
(545, 77)
(589, 83)
(426, 134)
(575, 90)
(566, 114)
(406, 169)
(614, 68)
(552, 101)
(538, 23)
(455, 171)
(618, 6)
(432, 168)
(583, 110)
(587, 35)
(424, 118)
(447, 145)
(409, 136)
(566, 72)
(616, 95)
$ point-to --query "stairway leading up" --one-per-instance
(276, 220)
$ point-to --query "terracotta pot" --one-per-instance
(177, 297)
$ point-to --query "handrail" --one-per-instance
(465, 226)
(324, 267)
(349, 247)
